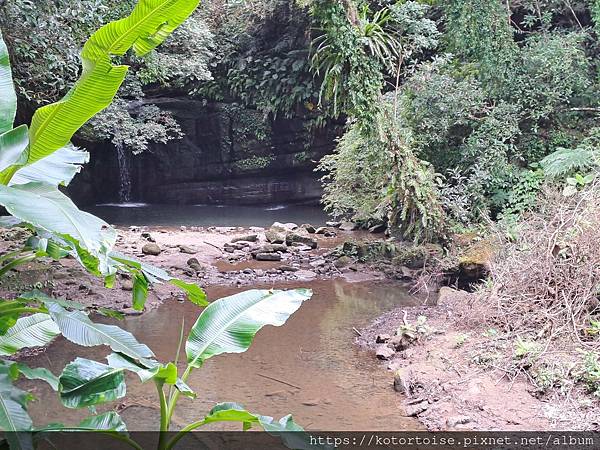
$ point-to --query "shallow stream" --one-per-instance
(309, 367)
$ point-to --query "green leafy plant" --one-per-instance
(590, 371)
(524, 348)
(565, 161)
(227, 325)
(576, 183)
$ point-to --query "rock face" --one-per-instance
(229, 155)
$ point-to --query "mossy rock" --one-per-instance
(368, 251)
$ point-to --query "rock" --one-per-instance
(187, 249)
(308, 227)
(377, 228)
(333, 224)
(400, 383)
(306, 274)
(451, 422)
(416, 257)
(183, 228)
(343, 261)
(131, 312)
(382, 338)
(127, 285)
(248, 271)
(311, 403)
(415, 410)
(151, 249)
(445, 295)
(246, 238)
(348, 226)
(271, 248)
(400, 343)
(295, 238)
(275, 236)
(134, 228)
(317, 263)
(148, 236)
(288, 268)
(406, 273)
(268, 257)
(193, 263)
(259, 272)
(383, 352)
(59, 275)
(290, 226)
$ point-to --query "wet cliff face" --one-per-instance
(229, 155)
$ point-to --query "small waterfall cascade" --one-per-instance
(124, 174)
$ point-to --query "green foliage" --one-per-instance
(348, 56)
(378, 176)
(261, 57)
(565, 161)
(45, 52)
(478, 32)
(590, 373)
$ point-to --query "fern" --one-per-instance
(565, 161)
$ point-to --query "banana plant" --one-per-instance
(228, 325)
(36, 160)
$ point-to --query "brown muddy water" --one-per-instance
(309, 367)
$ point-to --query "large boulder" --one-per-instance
(275, 235)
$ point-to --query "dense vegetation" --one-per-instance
(489, 101)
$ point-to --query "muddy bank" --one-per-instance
(440, 360)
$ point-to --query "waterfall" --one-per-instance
(124, 175)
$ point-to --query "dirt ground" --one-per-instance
(447, 387)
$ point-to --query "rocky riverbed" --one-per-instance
(223, 256)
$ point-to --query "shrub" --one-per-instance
(547, 275)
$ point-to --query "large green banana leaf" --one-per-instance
(31, 331)
(45, 207)
(109, 421)
(77, 327)
(229, 325)
(156, 275)
(151, 370)
(13, 415)
(8, 97)
(14, 370)
(292, 434)
(57, 169)
(84, 382)
(13, 144)
(149, 24)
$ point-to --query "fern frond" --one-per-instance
(566, 160)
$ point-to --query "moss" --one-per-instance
(478, 254)
(253, 163)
